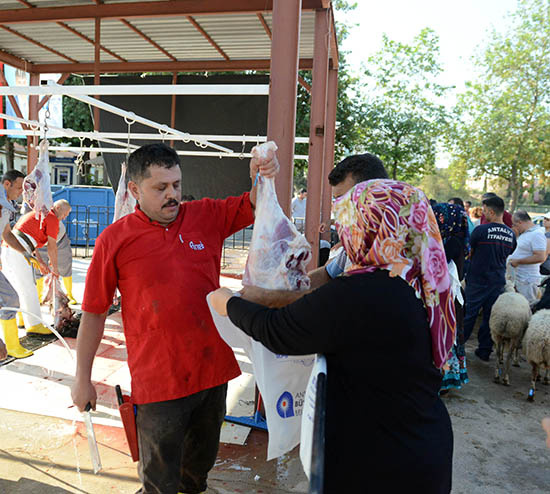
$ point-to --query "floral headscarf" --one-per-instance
(386, 224)
(453, 222)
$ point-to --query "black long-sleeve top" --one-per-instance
(386, 427)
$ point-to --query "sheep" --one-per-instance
(536, 345)
(509, 318)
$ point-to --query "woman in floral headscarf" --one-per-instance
(390, 319)
(453, 225)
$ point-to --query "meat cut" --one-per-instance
(278, 253)
(36, 185)
(65, 321)
(124, 200)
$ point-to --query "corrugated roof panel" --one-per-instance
(235, 33)
(14, 4)
(178, 37)
(25, 49)
(115, 37)
(240, 36)
(60, 39)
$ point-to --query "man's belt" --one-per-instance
(25, 239)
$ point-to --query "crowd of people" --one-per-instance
(408, 283)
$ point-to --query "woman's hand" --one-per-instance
(219, 299)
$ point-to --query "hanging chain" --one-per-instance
(79, 160)
(46, 118)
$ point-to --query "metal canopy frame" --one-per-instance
(141, 22)
(113, 36)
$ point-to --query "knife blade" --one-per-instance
(92, 443)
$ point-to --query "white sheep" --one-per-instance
(510, 316)
(536, 346)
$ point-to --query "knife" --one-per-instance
(92, 443)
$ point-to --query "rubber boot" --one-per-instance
(68, 284)
(40, 288)
(11, 338)
(20, 322)
(38, 329)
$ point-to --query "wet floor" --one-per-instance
(499, 443)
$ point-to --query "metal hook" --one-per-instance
(130, 123)
(241, 155)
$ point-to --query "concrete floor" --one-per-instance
(499, 448)
(499, 442)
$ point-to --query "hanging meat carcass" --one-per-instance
(124, 200)
(278, 253)
(37, 192)
(277, 259)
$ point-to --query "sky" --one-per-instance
(461, 26)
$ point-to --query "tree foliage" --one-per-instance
(504, 128)
(405, 115)
(349, 107)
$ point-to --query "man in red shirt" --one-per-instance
(164, 258)
(33, 233)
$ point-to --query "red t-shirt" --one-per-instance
(30, 226)
(507, 218)
(164, 275)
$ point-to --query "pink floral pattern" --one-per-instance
(387, 224)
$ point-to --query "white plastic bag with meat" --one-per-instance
(278, 253)
(37, 192)
(124, 200)
(277, 259)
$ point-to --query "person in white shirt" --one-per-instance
(299, 210)
(529, 254)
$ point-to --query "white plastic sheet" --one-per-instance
(124, 200)
(277, 259)
(36, 185)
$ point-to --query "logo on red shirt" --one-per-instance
(194, 246)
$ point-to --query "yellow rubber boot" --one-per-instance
(38, 329)
(11, 338)
(40, 288)
(20, 322)
(68, 284)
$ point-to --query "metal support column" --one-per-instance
(317, 131)
(97, 61)
(32, 141)
(281, 119)
(173, 106)
(328, 160)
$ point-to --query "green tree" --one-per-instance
(441, 186)
(405, 116)
(349, 109)
(76, 114)
(504, 129)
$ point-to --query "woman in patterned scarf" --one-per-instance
(453, 225)
(386, 328)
